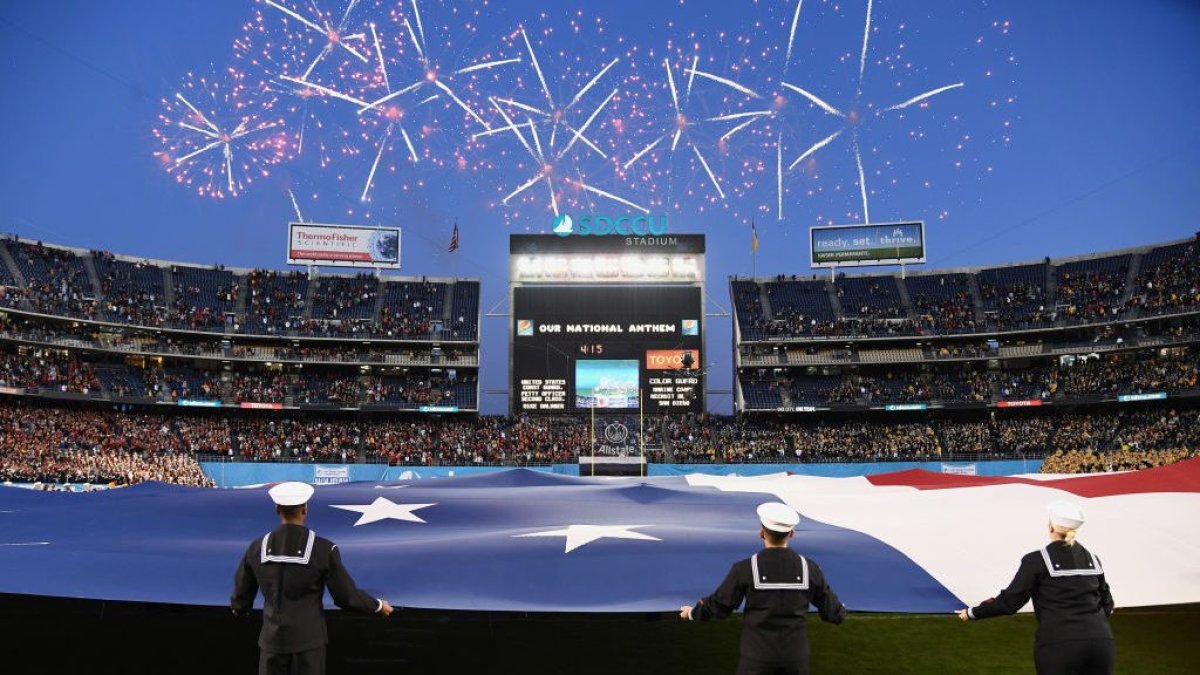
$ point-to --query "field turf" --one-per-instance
(43, 633)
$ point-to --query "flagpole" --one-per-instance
(753, 249)
(454, 244)
(641, 432)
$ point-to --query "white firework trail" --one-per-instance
(395, 94)
(379, 53)
(383, 143)
(584, 139)
(326, 31)
(602, 193)
(819, 102)
(779, 172)
(441, 85)
(537, 141)
(792, 35)
(416, 43)
(487, 64)
(417, 15)
(692, 75)
(523, 106)
(537, 68)
(738, 116)
(729, 134)
(921, 97)
(862, 181)
(202, 116)
(326, 90)
(526, 185)
(671, 83)
(296, 206)
(591, 83)
(862, 59)
(725, 81)
(638, 155)
(815, 147)
(711, 176)
(412, 152)
(516, 129)
(578, 134)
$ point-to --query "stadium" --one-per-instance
(541, 359)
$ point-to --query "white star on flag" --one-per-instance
(382, 509)
(581, 535)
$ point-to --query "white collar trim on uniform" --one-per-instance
(1094, 566)
(761, 584)
(298, 560)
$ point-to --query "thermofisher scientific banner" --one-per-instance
(343, 245)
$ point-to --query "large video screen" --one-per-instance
(607, 348)
(607, 384)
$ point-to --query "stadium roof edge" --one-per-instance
(909, 272)
(158, 262)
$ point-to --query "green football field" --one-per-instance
(1159, 641)
(40, 634)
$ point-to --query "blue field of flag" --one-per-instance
(514, 540)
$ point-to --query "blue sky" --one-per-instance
(1072, 131)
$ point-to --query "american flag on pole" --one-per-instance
(454, 239)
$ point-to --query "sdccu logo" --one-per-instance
(598, 226)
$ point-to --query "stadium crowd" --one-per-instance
(45, 443)
(84, 446)
(57, 282)
(60, 282)
(1122, 373)
(1009, 298)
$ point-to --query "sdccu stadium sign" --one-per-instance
(599, 226)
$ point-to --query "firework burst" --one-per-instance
(218, 135)
(563, 125)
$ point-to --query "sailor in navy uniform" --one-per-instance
(778, 585)
(293, 567)
(1070, 598)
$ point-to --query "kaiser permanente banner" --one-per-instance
(343, 245)
(876, 244)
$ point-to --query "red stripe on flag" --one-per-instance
(1179, 477)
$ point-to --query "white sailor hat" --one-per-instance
(291, 493)
(777, 517)
(1065, 514)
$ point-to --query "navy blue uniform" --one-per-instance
(1072, 602)
(293, 567)
(777, 585)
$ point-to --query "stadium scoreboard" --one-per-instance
(607, 324)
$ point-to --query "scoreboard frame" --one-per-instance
(556, 261)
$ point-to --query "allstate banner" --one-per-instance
(521, 540)
(343, 245)
(960, 469)
(331, 475)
